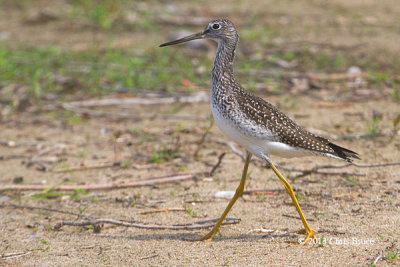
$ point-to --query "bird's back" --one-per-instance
(262, 128)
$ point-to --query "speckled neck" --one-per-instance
(222, 70)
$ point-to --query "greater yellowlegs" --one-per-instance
(254, 123)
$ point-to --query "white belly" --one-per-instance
(261, 143)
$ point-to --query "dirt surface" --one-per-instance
(356, 217)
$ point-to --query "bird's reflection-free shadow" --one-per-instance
(187, 236)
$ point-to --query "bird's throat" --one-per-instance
(222, 70)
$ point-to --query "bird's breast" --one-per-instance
(227, 120)
(255, 138)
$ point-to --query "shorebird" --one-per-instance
(254, 123)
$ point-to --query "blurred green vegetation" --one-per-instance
(98, 13)
(99, 69)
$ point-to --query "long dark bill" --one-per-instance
(199, 35)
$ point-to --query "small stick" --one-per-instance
(11, 143)
(263, 191)
(306, 172)
(92, 221)
(232, 146)
(161, 210)
(316, 168)
(378, 258)
(335, 232)
(192, 98)
(203, 137)
(195, 225)
(125, 115)
(376, 164)
(296, 217)
(359, 165)
(6, 157)
(112, 186)
(15, 255)
(149, 257)
(44, 208)
(215, 167)
(260, 230)
(310, 76)
(214, 220)
(84, 168)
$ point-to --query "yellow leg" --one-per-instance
(238, 193)
(310, 232)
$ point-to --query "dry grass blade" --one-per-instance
(15, 255)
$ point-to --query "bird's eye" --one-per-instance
(216, 26)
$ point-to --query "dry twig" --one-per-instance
(215, 167)
(203, 137)
(161, 210)
(80, 215)
(85, 168)
(378, 258)
(83, 107)
(310, 76)
(196, 225)
(202, 224)
(149, 257)
(130, 102)
(125, 115)
(263, 191)
(91, 187)
(260, 230)
(315, 169)
(367, 135)
(7, 157)
(15, 255)
(11, 143)
(233, 147)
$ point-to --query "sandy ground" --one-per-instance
(356, 220)
(356, 217)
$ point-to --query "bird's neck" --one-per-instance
(222, 70)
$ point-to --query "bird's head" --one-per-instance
(217, 29)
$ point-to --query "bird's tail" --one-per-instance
(344, 153)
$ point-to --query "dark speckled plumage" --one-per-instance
(254, 123)
(249, 120)
(253, 116)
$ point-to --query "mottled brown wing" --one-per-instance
(286, 130)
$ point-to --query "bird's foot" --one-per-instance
(208, 237)
(310, 235)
